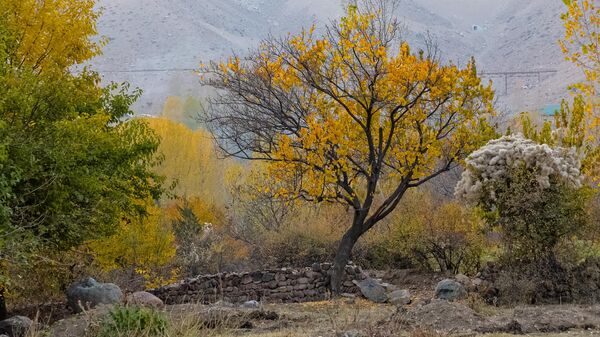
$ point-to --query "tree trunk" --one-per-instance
(343, 254)
(3, 310)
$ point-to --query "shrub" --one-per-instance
(439, 235)
(532, 193)
(131, 321)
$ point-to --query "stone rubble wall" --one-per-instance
(273, 286)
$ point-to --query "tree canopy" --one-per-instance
(71, 166)
(336, 115)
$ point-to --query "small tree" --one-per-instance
(531, 192)
(336, 115)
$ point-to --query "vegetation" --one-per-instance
(336, 143)
(72, 168)
(531, 192)
(338, 115)
(128, 321)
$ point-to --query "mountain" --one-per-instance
(156, 44)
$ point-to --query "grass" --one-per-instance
(327, 319)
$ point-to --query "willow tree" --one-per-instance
(337, 115)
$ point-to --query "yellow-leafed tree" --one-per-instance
(577, 124)
(52, 35)
(337, 115)
(144, 245)
(581, 43)
(189, 160)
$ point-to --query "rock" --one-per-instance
(251, 304)
(450, 290)
(16, 326)
(462, 279)
(144, 299)
(466, 282)
(351, 333)
(89, 293)
(400, 297)
(316, 267)
(372, 290)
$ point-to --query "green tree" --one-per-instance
(71, 167)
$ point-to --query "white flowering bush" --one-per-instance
(494, 163)
(531, 192)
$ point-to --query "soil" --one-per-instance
(448, 317)
(332, 318)
(471, 316)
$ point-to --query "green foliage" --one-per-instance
(132, 321)
(533, 221)
(71, 165)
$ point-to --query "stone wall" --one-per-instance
(273, 286)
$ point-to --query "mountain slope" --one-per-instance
(154, 44)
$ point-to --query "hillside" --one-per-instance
(154, 44)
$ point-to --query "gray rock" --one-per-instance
(372, 290)
(89, 293)
(400, 297)
(251, 304)
(351, 333)
(16, 326)
(450, 290)
(462, 279)
(144, 299)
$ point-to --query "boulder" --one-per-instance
(462, 279)
(400, 297)
(16, 326)
(466, 281)
(89, 293)
(372, 290)
(450, 290)
(351, 333)
(251, 304)
(144, 299)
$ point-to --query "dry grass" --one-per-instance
(337, 318)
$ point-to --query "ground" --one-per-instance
(358, 317)
(354, 317)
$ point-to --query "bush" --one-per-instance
(438, 235)
(132, 321)
(532, 193)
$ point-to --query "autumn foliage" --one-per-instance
(338, 114)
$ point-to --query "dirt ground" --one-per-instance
(358, 317)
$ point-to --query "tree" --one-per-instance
(188, 161)
(71, 167)
(581, 45)
(579, 122)
(336, 115)
(143, 246)
(533, 193)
